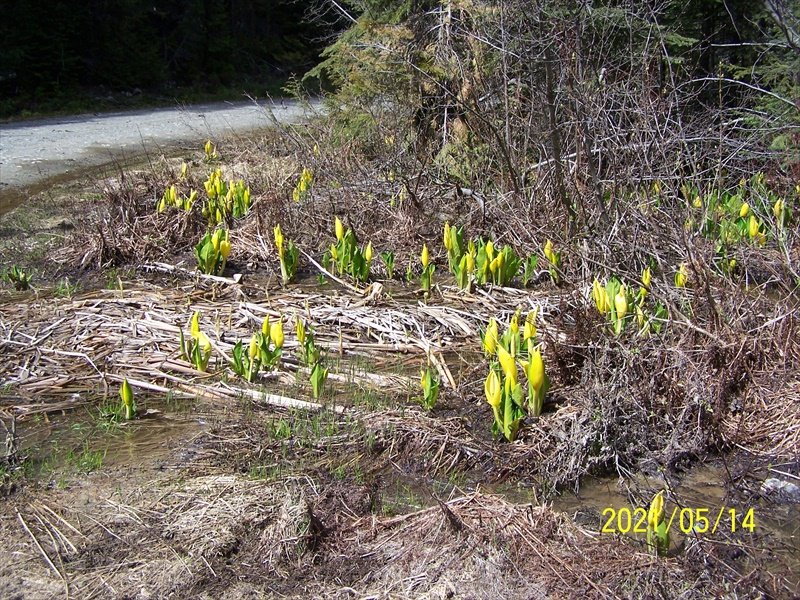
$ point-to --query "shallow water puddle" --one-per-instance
(605, 505)
(85, 440)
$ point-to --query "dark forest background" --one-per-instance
(69, 54)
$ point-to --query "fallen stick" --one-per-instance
(39, 546)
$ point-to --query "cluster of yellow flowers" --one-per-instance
(616, 300)
(212, 252)
(171, 198)
(347, 256)
(501, 387)
(303, 187)
(263, 352)
(733, 216)
(225, 199)
(479, 260)
(210, 151)
(197, 349)
(288, 255)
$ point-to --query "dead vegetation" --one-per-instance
(224, 536)
(719, 379)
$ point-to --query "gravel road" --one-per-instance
(31, 152)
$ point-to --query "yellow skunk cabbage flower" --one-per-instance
(205, 343)
(215, 239)
(425, 257)
(621, 303)
(490, 250)
(494, 265)
(126, 396)
(513, 325)
(209, 149)
(190, 200)
(334, 253)
(225, 249)
(657, 187)
(600, 297)
(744, 211)
(548, 252)
(534, 370)
(470, 263)
(184, 170)
(698, 203)
(639, 317)
(339, 229)
(513, 328)
(753, 226)
(493, 390)
(252, 351)
(778, 209)
(278, 239)
(682, 276)
(194, 325)
(529, 332)
(448, 243)
(508, 365)
(368, 252)
(300, 328)
(647, 277)
(490, 338)
(276, 333)
(656, 512)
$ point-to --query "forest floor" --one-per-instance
(222, 488)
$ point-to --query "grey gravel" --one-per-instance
(34, 151)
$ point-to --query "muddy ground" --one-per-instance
(227, 508)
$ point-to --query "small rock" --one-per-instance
(782, 491)
(56, 223)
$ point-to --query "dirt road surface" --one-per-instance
(32, 152)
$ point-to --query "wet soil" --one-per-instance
(196, 500)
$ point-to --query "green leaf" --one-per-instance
(318, 376)
(238, 365)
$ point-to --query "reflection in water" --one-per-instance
(51, 440)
